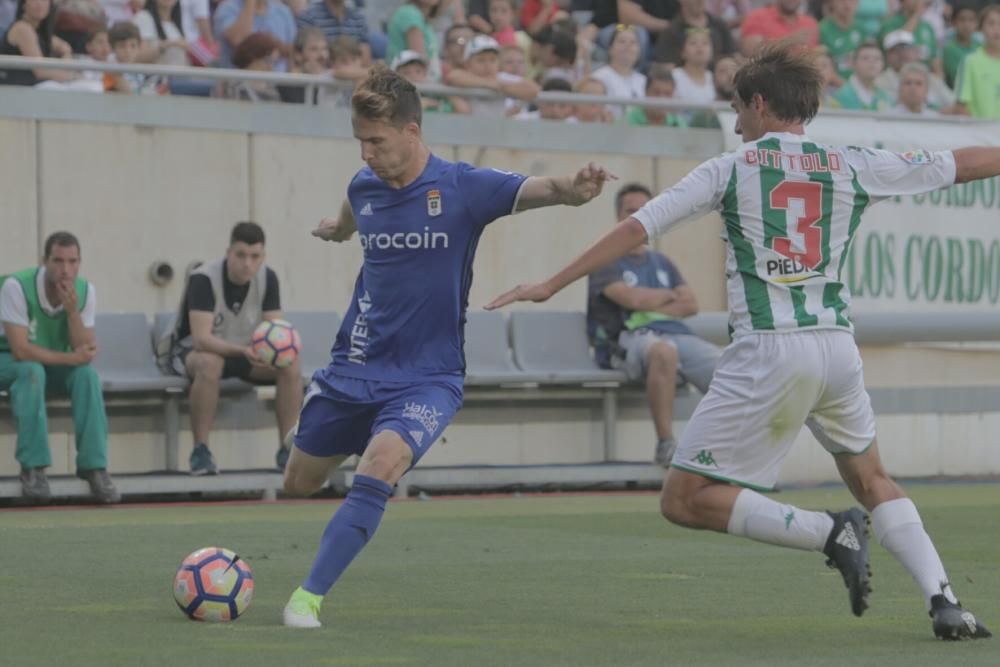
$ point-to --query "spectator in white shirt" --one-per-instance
(694, 81)
(619, 76)
(159, 26)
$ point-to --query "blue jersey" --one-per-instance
(407, 316)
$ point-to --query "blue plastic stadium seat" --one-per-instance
(554, 345)
(488, 356)
(125, 362)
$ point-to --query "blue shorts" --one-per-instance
(341, 414)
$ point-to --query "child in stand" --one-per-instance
(978, 82)
(659, 83)
(127, 44)
(693, 80)
(502, 21)
(98, 49)
(965, 40)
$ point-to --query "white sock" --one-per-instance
(900, 531)
(765, 520)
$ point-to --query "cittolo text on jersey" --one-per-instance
(790, 209)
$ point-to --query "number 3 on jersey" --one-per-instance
(806, 198)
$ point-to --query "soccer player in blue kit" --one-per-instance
(396, 378)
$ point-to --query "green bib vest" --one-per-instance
(44, 330)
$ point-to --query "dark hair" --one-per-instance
(543, 35)
(628, 189)
(45, 28)
(123, 31)
(246, 232)
(963, 6)
(563, 46)
(557, 84)
(175, 17)
(659, 72)
(61, 239)
(256, 46)
(94, 32)
(786, 77)
(619, 29)
(387, 97)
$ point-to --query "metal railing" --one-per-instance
(313, 82)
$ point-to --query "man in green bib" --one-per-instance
(47, 344)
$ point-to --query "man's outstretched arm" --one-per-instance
(622, 238)
(693, 196)
(972, 164)
(575, 190)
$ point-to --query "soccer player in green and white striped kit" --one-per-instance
(791, 208)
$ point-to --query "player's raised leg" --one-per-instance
(385, 460)
(900, 530)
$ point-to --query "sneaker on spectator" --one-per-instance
(35, 485)
(202, 461)
(101, 486)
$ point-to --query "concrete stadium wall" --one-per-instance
(141, 180)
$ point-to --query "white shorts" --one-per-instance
(766, 386)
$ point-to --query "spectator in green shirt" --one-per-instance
(659, 83)
(841, 33)
(978, 83)
(965, 40)
(410, 28)
(910, 19)
(860, 92)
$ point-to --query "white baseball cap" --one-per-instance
(406, 57)
(898, 38)
(479, 44)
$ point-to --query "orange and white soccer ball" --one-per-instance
(276, 343)
(213, 584)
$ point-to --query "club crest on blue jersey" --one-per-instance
(433, 203)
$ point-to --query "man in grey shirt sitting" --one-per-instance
(635, 308)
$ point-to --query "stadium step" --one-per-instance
(449, 479)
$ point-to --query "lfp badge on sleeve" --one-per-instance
(433, 203)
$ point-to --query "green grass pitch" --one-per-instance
(536, 580)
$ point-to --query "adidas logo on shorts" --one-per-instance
(418, 437)
(848, 538)
(366, 209)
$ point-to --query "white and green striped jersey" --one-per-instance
(790, 209)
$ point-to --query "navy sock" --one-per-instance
(352, 525)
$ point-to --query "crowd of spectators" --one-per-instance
(916, 57)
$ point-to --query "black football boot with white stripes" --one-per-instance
(847, 550)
